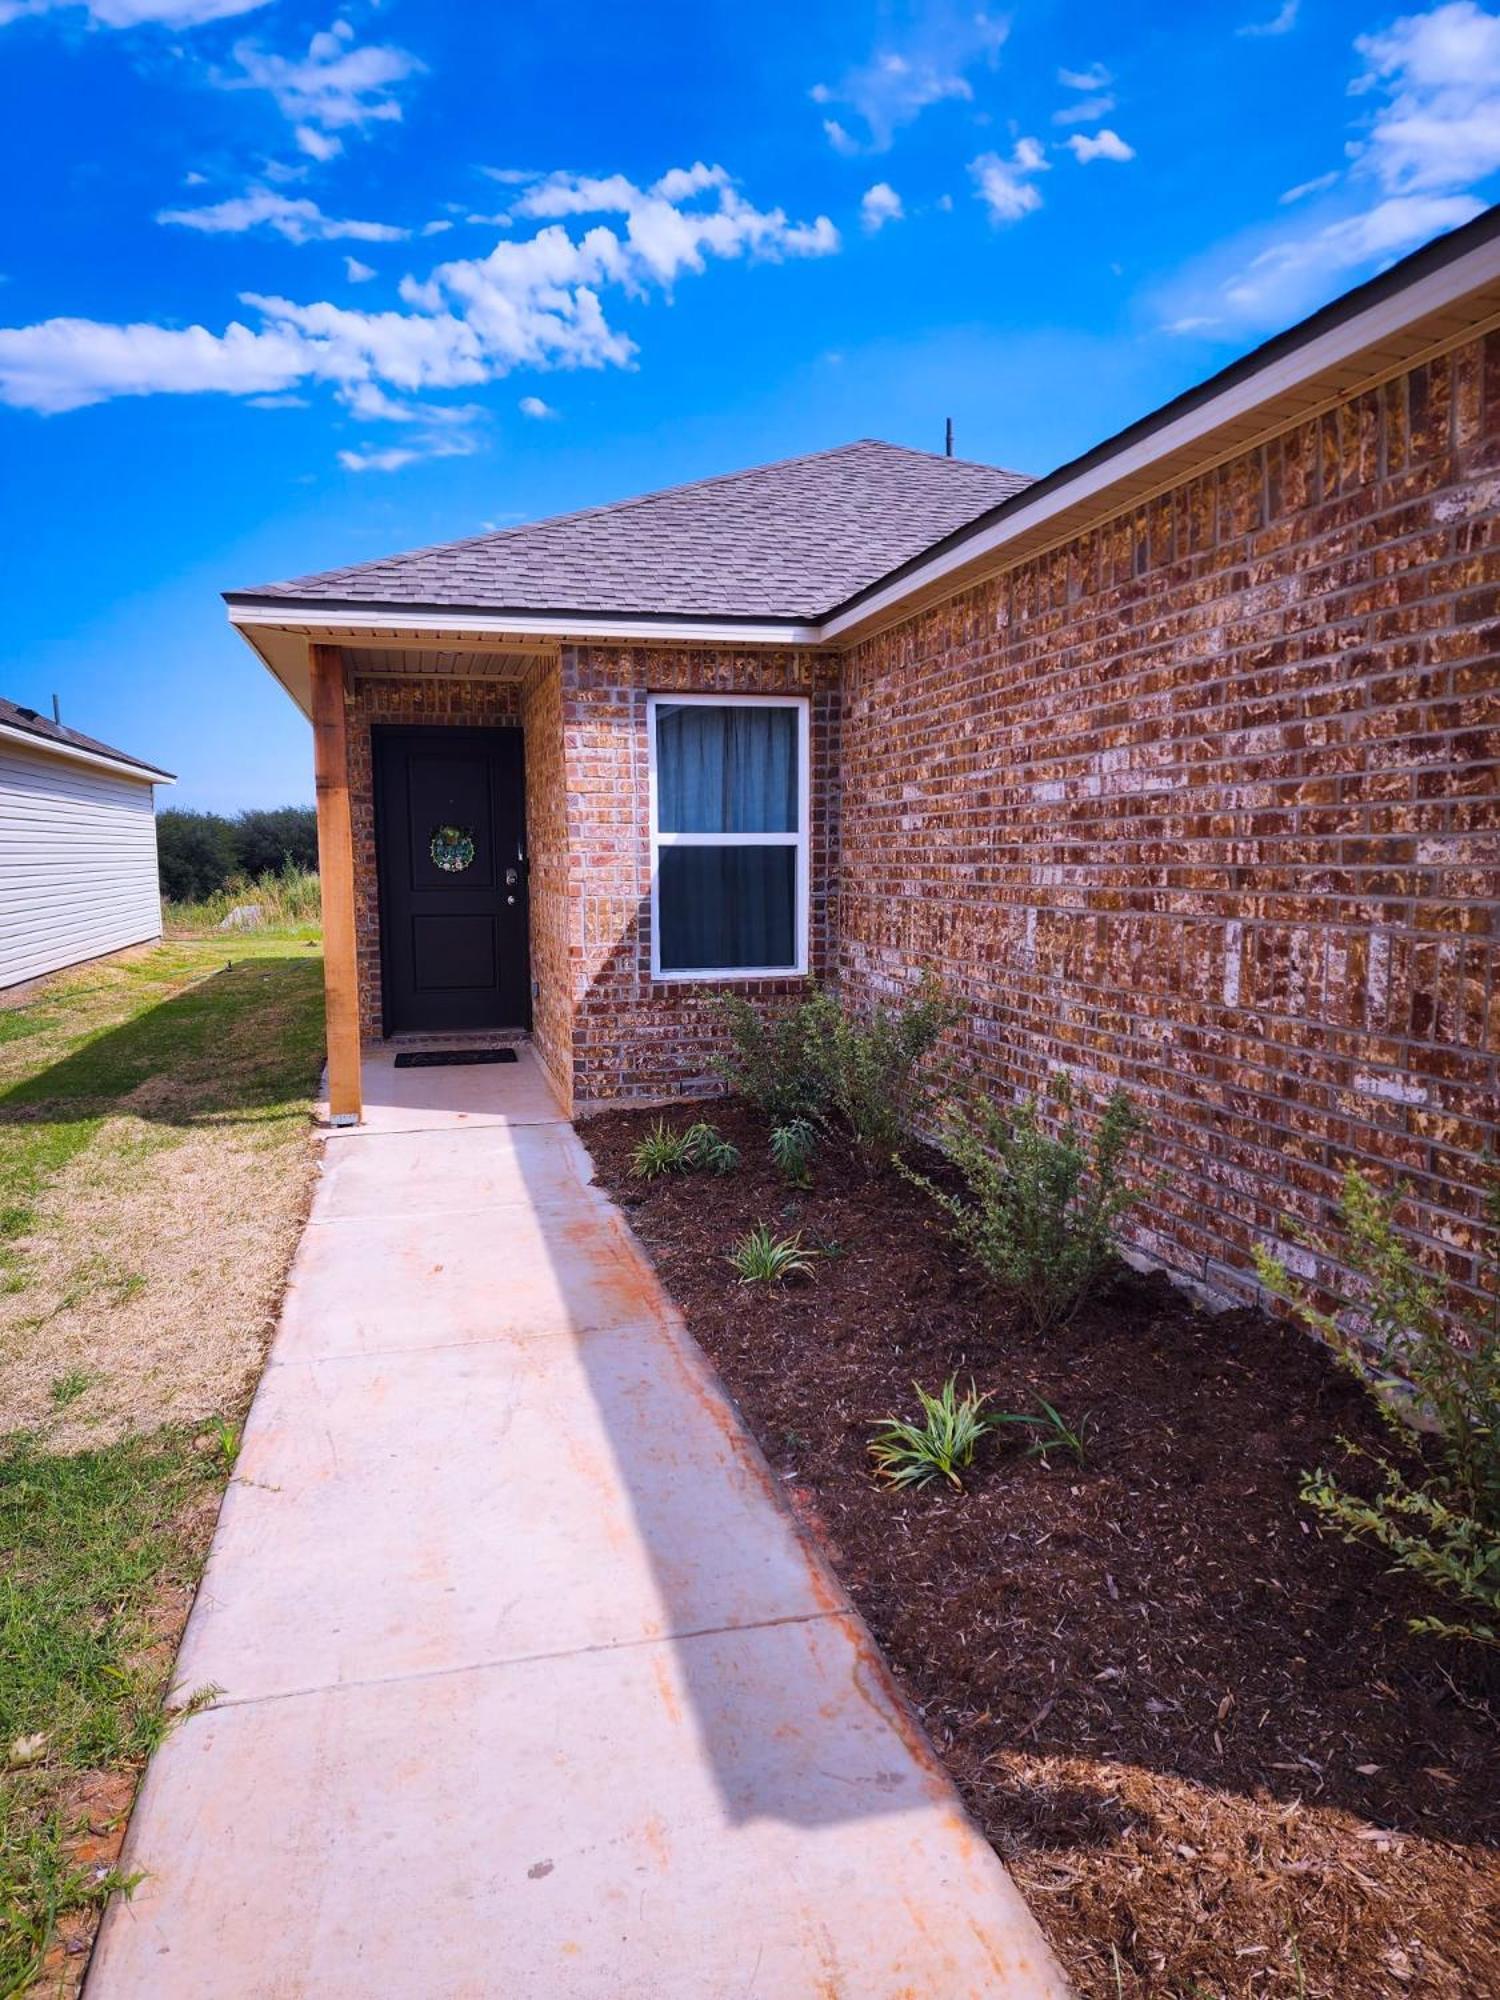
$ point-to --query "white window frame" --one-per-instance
(799, 840)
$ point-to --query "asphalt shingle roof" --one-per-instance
(32, 723)
(791, 540)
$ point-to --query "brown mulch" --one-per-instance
(1196, 1729)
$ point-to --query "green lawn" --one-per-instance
(154, 1168)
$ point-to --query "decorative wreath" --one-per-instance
(451, 848)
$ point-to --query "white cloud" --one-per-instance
(277, 402)
(134, 13)
(879, 205)
(439, 227)
(1430, 89)
(533, 406)
(1101, 145)
(1084, 111)
(1281, 22)
(392, 458)
(1289, 275)
(1441, 125)
(357, 273)
(1006, 186)
(898, 83)
(317, 145)
(1320, 184)
(841, 141)
(63, 364)
(533, 302)
(340, 85)
(299, 221)
(1095, 77)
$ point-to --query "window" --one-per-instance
(729, 812)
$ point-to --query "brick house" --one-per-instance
(1179, 766)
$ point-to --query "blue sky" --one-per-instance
(285, 286)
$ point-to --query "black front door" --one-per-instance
(450, 836)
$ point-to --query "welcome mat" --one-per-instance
(451, 1058)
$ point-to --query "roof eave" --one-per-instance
(75, 753)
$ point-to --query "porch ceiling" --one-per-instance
(396, 655)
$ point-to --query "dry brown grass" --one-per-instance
(177, 1163)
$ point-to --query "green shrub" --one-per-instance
(819, 1064)
(763, 1259)
(870, 1072)
(792, 1149)
(698, 1149)
(941, 1446)
(1041, 1208)
(767, 1060)
(1420, 1345)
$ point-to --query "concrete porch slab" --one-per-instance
(414, 1100)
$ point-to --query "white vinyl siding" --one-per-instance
(77, 863)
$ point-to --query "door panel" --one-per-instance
(450, 834)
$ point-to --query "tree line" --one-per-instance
(200, 853)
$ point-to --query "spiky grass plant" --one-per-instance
(1053, 1432)
(662, 1151)
(699, 1149)
(763, 1259)
(941, 1446)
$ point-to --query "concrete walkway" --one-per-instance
(530, 1687)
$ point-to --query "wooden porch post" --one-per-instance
(336, 878)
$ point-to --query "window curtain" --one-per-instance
(720, 908)
(726, 770)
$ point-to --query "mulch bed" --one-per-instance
(1195, 1728)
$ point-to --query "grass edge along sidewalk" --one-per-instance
(105, 1519)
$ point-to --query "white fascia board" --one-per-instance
(295, 612)
(76, 754)
(1341, 343)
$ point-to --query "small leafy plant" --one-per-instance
(941, 1446)
(792, 1149)
(710, 1152)
(665, 1151)
(1417, 1343)
(1042, 1206)
(1053, 1433)
(763, 1259)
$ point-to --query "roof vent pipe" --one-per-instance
(56, 711)
(948, 443)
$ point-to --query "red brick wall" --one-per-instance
(634, 1038)
(1206, 802)
(445, 700)
(548, 874)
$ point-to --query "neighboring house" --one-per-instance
(77, 847)
(1178, 766)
